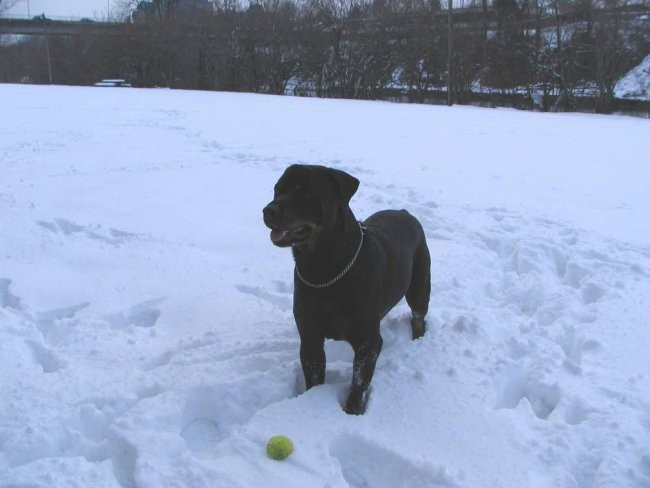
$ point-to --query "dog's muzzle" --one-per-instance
(283, 235)
(271, 214)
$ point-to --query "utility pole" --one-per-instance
(49, 60)
(450, 51)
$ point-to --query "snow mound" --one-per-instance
(636, 83)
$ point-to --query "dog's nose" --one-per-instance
(271, 212)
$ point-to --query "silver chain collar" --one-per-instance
(341, 274)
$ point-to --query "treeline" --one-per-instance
(545, 53)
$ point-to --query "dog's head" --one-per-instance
(306, 200)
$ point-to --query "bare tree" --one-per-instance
(5, 5)
(354, 49)
(558, 62)
(613, 55)
(421, 57)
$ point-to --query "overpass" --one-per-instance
(45, 26)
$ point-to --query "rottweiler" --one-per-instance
(348, 274)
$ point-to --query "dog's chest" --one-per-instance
(329, 317)
(336, 327)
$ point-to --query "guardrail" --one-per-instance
(59, 18)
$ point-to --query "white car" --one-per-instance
(116, 82)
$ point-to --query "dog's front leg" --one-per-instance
(312, 359)
(363, 367)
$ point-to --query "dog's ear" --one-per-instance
(346, 184)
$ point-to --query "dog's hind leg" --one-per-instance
(419, 290)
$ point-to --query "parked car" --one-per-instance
(116, 82)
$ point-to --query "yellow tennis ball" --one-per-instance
(279, 447)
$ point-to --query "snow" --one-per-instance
(146, 333)
(636, 83)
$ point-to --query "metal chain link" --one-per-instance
(341, 274)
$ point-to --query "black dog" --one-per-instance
(348, 275)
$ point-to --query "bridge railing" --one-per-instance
(59, 18)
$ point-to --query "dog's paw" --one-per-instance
(418, 327)
(357, 402)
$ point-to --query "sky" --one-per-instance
(63, 8)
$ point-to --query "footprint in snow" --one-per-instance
(213, 412)
(591, 293)
(574, 275)
(206, 421)
(7, 299)
(56, 324)
(96, 232)
(367, 465)
(577, 412)
(574, 345)
(280, 299)
(144, 314)
(514, 385)
(251, 358)
(45, 357)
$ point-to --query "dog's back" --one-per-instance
(398, 246)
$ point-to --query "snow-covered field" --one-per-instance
(146, 333)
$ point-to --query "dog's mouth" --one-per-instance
(290, 237)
